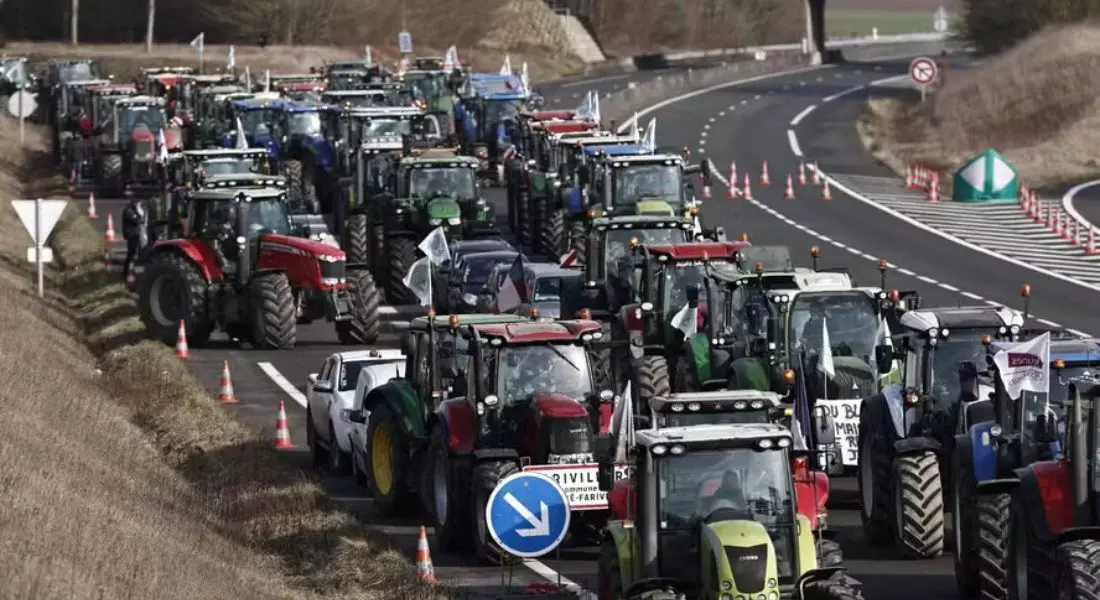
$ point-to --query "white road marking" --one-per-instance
(1067, 203)
(283, 383)
(546, 572)
(841, 94)
(802, 115)
(794, 143)
(594, 80)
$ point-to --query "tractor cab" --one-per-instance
(443, 184)
(174, 84)
(100, 100)
(193, 169)
(350, 126)
(347, 79)
(74, 96)
(258, 114)
(714, 514)
(489, 119)
(127, 143)
(65, 72)
(628, 179)
(611, 240)
(369, 98)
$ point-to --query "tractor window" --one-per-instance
(547, 288)
(500, 110)
(529, 368)
(636, 183)
(304, 123)
(382, 127)
(852, 325)
(445, 181)
(228, 166)
(268, 216)
(251, 120)
(75, 72)
(617, 243)
(149, 117)
(962, 345)
(675, 280)
(708, 486)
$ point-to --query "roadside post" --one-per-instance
(923, 72)
(21, 105)
(527, 516)
(39, 218)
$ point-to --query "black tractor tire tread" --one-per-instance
(552, 233)
(366, 323)
(1078, 577)
(921, 521)
(401, 253)
(197, 324)
(274, 323)
(653, 379)
(992, 540)
(878, 527)
(829, 553)
(111, 173)
(522, 227)
(357, 239)
(576, 239)
(292, 170)
(837, 587)
(455, 536)
(389, 505)
(486, 477)
(964, 496)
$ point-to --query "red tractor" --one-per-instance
(238, 268)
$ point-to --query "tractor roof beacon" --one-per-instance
(715, 517)
(240, 270)
(908, 429)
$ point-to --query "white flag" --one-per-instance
(596, 116)
(525, 78)
(450, 59)
(649, 138)
(419, 280)
(247, 78)
(622, 423)
(162, 148)
(634, 131)
(198, 42)
(231, 62)
(687, 320)
(267, 80)
(242, 138)
(825, 365)
(367, 57)
(434, 246)
(506, 68)
(1025, 366)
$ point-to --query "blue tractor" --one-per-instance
(487, 118)
(1005, 434)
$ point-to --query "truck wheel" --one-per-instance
(553, 233)
(401, 253)
(111, 174)
(918, 508)
(652, 379)
(1077, 575)
(386, 461)
(274, 325)
(964, 523)
(829, 553)
(339, 462)
(448, 493)
(609, 576)
(837, 587)
(486, 477)
(356, 242)
(875, 476)
(993, 512)
(364, 324)
(173, 289)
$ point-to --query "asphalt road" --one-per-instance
(1086, 201)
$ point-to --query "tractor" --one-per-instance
(58, 73)
(1001, 434)
(195, 169)
(126, 148)
(256, 113)
(239, 269)
(374, 165)
(907, 429)
(433, 86)
(715, 515)
(521, 395)
(212, 114)
(1054, 531)
(70, 134)
(487, 119)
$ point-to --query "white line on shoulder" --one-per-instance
(283, 383)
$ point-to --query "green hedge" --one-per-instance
(995, 25)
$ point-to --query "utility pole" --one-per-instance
(74, 23)
(812, 49)
(149, 26)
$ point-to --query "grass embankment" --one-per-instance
(1036, 104)
(120, 475)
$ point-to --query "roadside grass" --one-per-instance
(860, 22)
(121, 475)
(1035, 104)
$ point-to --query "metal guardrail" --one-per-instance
(832, 43)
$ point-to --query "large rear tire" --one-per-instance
(653, 379)
(401, 253)
(386, 461)
(274, 326)
(110, 174)
(875, 476)
(487, 476)
(1078, 577)
(918, 505)
(576, 239)
(173, 289)
(993, 518)
(365, 321)
(553, 233)
(357, 239)
(609, 576)
(964, 522)
(449, 496)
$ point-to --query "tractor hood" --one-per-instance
(443, 208)
(142, 134)
(742, 553)
(301, 246)
(654, 207)
(173, 138)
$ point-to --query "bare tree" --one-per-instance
(151, 17)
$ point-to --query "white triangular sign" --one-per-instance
(50, 215)
(1002, 174)
(974, 174)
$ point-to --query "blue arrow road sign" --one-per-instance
(528, 515)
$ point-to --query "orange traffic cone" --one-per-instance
(825, 193)
(934, 187)
(746, 191)
(788, 193)
(802, 173)
(817, 174)
(91, 207)
(1091, 247)
(424, 569)
(765, 177)
(282, 430)
(733, 171)
(182, 351)
(225, 386)
(910, 178)
(109, 235)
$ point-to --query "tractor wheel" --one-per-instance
(918, 505)
(449, 495)
(173, 289)
(522, 231)
(274, 325)
(541, 213)
(837, 587)
(875, 476)
(1077, 576)
(356, 239)
(110, 174)
(964, 523)
(292, 170)
(829, 553)
(1032, 567)
(992, 543)
(487, 476)
(401, 253)
(553, 241)
(609, 576)
(386, 460)
(576, 238)
(652, 379)
(365, 322)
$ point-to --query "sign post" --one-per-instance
(939, 20)
(528, 515)
(923, 71)
(39, 218)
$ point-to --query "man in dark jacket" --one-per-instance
(135, 229)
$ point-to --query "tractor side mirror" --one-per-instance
(884, 358)
(824, 427)
(358, 416)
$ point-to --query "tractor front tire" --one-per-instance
(829, 553)
(486, 477)
(918, 507)
(875, 475)
(401, 253)
(448, 495)
(365, 321)
(110, 174)
(653, 379)
(837, 587)
(576, 239)
(173, 289)
(292, 170)
(1077, 576)
(993, 519)
(387, 459)
(274, 325)
(964, 522)
(357, 239)
(553, 233)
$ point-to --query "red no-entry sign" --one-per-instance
(923, 70)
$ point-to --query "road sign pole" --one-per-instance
(23, 125)
(38, 245)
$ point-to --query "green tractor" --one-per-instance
(714, 516)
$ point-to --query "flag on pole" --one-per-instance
(242, 137)
(434, 246)
(450, 59)
(419, 280)
(162, 148)
(513, 291)
(267, 80)
(825, 365)
(634, 131)
(231, 62)
(1025, 366)
(525, 77)
(649, 138)
(247, 78)
(368, 58)
(198, 43)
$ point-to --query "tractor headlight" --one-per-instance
(491, 400)
(676, 450)
(765, 444)
(757, 404)
(728, 597)
(659, 450)
(995, 430)
(726, 586)
(773, 596)
(677, 408)
(1015, 329)
(933, 333)
(695, 407)
(783, 442)
(740, 405)
(454, 221)
(435, 222)
(772, 583)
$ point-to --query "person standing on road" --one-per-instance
(135, 229)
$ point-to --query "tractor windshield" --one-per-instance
(381, 127)
(849, 321)
(427, 85)
(709, 486)
(638, 183)
(252, 119)
(960, 346)
(79, 71)
(501, 110)
(268, 216)
(530, 368)
(228, 166)
(304, 123)
(677, 277)
(149, 117)
(429, 182)
(616, 242)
